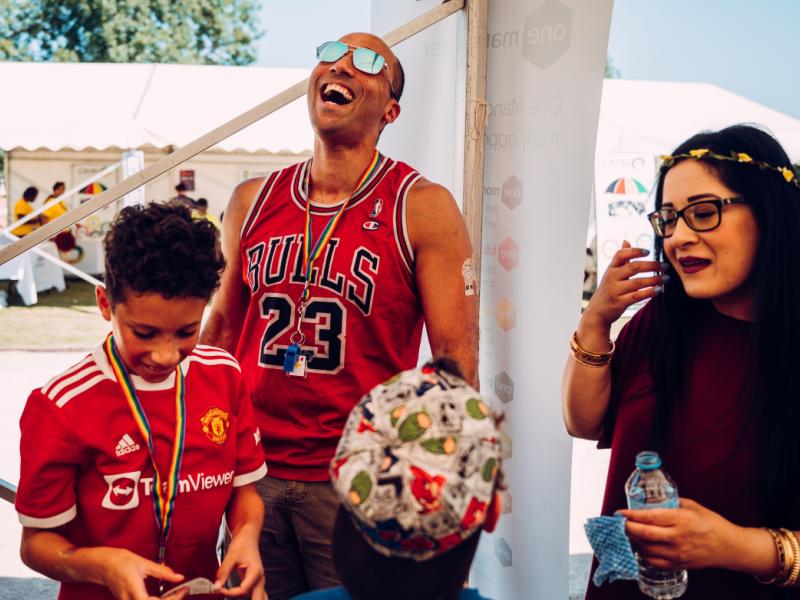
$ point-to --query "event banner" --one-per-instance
(545, 71)
(623, 198)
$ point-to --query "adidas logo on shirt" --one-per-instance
(126, 445)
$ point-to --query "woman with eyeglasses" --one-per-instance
(705, 373)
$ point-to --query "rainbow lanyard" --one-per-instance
(163, 495)
(309, 255)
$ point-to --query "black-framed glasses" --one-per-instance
(365, 60)
(703, 215)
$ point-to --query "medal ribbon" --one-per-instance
(310, 255)
(163, 496)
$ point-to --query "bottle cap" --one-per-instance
(648, 460)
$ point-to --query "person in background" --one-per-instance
(59, 208)
(181, 197)
(23, 207)
(706, 372)
(64, 240)
(201, 212)
(417, 472)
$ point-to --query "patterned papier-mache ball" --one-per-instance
(417, 463)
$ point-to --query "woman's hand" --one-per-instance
(619, 288)
(242, 554)
(124, 573)
(688, 537)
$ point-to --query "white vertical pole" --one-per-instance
(475, 123)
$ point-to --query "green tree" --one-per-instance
(154, 31)
(611, 71)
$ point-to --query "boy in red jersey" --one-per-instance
(131, 457)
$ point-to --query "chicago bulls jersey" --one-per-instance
(86, 466)
(362, 321)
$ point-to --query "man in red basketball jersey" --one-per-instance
(334, 265)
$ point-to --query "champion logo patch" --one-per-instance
(126, 445)
(371, 225)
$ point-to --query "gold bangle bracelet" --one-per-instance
(588, 364)
(793, 535)
(589, 359)
(780, 575)
(794, 565)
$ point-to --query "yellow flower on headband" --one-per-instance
(699, 152)
(745, 158)
(787, 173)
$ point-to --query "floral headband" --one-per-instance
(787, 173)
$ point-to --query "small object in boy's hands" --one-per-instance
(199, 585)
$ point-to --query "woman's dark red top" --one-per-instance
(711, 453)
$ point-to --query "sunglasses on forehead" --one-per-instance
(364, 59)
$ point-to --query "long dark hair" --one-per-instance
(776, 206)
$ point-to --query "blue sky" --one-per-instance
(750, 47)
(294, 28)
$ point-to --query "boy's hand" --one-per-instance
(243, 555)
(125, 572)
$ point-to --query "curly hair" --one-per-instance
(160, 248)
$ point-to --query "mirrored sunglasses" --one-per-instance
(365, 60)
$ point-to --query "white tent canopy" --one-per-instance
(656, 116)
(75, 106)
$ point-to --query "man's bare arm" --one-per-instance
(230, 301)
(441, 250)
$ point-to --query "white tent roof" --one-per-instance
(98, 105)
(658, 115)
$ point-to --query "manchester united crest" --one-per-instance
(216, 423)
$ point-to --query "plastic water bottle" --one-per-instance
(650, 487)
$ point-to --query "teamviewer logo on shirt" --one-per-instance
(126, 445)
(123, 491)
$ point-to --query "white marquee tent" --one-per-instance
(62, 121)
(66, 121)
(655, 116)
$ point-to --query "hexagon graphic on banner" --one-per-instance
(502, 552)
(504, 387)
(511, 193)
(508, 254)
(506, 315)
(506, 447)
(547, 33)
(506, 502)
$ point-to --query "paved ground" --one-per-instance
(22, 371)
(19, 372)
(27, 589)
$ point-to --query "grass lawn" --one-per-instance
(67, 320)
